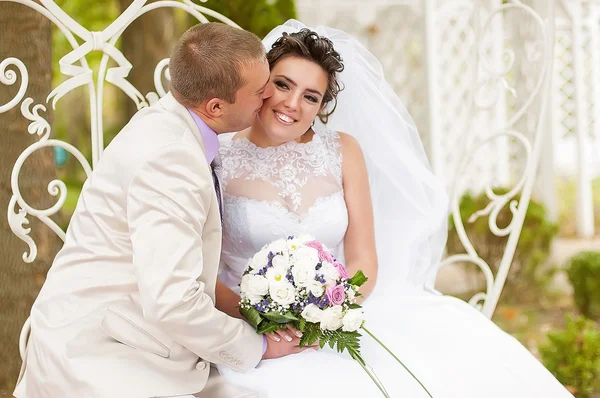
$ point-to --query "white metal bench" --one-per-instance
(488, 92)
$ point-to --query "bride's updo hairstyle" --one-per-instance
(312, 47)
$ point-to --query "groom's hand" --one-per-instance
(284, 347)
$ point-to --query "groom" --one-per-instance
(128, 308)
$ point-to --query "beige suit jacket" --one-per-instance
(128, 307)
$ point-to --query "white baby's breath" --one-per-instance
(351, 295)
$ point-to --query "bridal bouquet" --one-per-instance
(297, 282)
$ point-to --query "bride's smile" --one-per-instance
(299, 87)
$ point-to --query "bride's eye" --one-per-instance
(312, 98)
(281, 84)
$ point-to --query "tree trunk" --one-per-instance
(147, 41)
(26, 35)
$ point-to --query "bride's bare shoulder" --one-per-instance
(349, 145)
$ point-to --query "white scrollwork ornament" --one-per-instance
(74, 65)
(9, 77)
(485, 97)
(17, 220)
(38, 125)
(162, 68)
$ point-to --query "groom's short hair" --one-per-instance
(207, 62)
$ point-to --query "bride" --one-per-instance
(361, 185)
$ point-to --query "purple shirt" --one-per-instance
(209, 137)
(211, 148)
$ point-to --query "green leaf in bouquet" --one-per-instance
(358, 279)
(252, 316)
(355, 306)
(280, 318)
(311, 333)
(270, 327)
(348, 341)
(301, 325)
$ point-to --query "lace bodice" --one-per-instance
(273, 192)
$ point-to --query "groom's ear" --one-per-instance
(215, 107)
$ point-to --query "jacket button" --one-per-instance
(201, 365)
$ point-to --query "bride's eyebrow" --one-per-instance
(310, 90)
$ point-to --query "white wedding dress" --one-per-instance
(453, 349)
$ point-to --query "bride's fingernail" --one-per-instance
(299, 333)
(288, 338)
(277, 339)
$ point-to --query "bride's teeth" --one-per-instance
(285, 118)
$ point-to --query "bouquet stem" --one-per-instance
(375, 379)
(396, 358)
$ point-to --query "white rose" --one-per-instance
(316, 288)
(260, 259)
(244, 284)
(281, 261)
(245, 289)
(276, 275)
(280, 245)
(258, 285)
(303, 274)
(282, 293)
(253, 271)
(306, 256)
(330, 273)
(312, 313)
(353, 320)
(331, 318)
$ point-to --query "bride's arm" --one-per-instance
(359, 242)
(227, 300)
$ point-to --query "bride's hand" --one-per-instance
(285, 334)
(283, 347)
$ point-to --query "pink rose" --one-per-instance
(325, 256)
(341, 270)
(335, 294)
(315, 245)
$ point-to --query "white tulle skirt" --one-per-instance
(452, 348)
